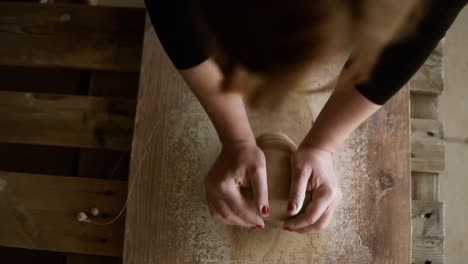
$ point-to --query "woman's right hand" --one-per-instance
(240, 165)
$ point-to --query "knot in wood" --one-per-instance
(386, 180)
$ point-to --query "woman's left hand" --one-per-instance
(312, 170)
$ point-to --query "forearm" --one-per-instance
(226, 110)
(346, 109)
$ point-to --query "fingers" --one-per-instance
(258, 182)
(224, 214)
(318, 213)
(321, 199)
(232, 209)
(299, 180)
(240, 207)
(322, 223)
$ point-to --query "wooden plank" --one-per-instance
(427, 129)
(427, 155)
(428, 250)
(389, 162)
(427, 146)
(429, 79)
(424, 106)
(72, 36)
(428, 232)
(167, 217)
(26, 256)
(59, 120)
(91, 259)
(428, 219)
(425, 186)
(39, 212)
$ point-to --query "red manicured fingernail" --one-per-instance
(287, 229)
(259, 227)
(291, 206)
(265, 210)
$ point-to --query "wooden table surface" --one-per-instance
(175, 144)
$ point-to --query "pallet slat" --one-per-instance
(427, 128)
(428, 232)
(427, 155)
(60, 120)
(427, 146)
(72, 36)
(428, 158)
(39, 212)
(429, 79)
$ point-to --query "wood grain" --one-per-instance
(427, 129)
(389, 160)
(39, 212)
(72, 36)
(60, 120)
(427, 146)
(427, 154)
(428, 232)
(175, 144)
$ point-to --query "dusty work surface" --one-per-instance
(175, 144)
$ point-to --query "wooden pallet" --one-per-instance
(428, 161)
(67, 104)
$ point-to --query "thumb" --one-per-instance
(299, 180)
(258, 181)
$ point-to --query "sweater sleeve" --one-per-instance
(399, 61)
(175, 25)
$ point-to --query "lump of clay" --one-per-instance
(278, 149)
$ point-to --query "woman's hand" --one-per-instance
(240, 165)
(312, 170)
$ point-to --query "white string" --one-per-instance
(137, 173)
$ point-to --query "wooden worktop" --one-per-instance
(175, 144)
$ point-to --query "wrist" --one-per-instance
(316, 149)
(238, 141)
(319, 142)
